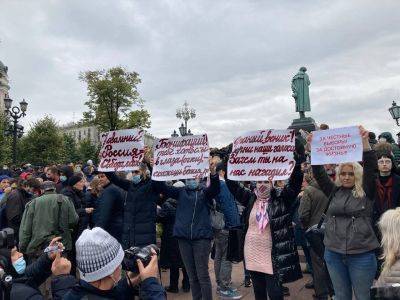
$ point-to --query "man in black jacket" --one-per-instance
(110, 208)
(140, 208)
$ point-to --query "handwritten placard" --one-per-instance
(121, 150)
(181, 158)
(336, 146)
(262, 155)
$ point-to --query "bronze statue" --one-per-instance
(300, 83)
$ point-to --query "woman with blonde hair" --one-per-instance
(349, 239)
(389, 225)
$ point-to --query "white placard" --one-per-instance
(262, 155)
(336, 146)
(181, 158)
(121, 150)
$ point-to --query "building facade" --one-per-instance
(4, 85)
(79, 133)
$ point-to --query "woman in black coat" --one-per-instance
(170, 257)
(270, 250)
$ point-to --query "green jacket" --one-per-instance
(43, 219)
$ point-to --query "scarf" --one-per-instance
(384, 193)
(263, 198)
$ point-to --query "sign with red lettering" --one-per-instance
(181, 158)
(336, 146)
(121, 150)
(262, 155)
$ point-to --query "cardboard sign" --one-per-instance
(121, 150)
(336, 146)
(181, 158)
(262, 155)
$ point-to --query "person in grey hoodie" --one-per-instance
(349, 239)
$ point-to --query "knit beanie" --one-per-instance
(74, 179)
(98, 254)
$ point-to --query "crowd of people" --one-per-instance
(67, 229)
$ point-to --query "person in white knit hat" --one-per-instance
(98, 258)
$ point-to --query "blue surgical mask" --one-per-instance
(20, 265)
(192, 184)
(63, 178)
(136, 179)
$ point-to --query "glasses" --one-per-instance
(344, 174)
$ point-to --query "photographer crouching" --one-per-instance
(99, 260)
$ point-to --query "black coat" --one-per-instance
(15, 207)
(110, 211)
(77, 198)
(140, 212)
(285, 259)
(169, 252)
(27, 286)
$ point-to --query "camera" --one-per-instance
(7, 238)
(134, 253)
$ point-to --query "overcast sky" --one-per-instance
(231, 60)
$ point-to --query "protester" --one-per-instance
(231, 219)
(170, 257)
(387, 137)
(270, 250)
(110, 208)
(74, 191)
(350, 240)
(311, 208)
(53, 174)
(65, 173)
(4, 185)
(140, 209)
(16, 201)
(60, 219)
(193, 228)
(92, 198)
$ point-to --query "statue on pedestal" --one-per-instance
(301, 95)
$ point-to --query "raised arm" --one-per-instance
(370, 162)
(124, 184)
(166, 190)
(213, 190)
(241, 193)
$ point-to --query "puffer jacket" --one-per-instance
(140, 211)
(193, 220)
(284, 256)
(227, 204)
(349, 226)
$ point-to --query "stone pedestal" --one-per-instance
(307, 124)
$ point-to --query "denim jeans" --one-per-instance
(222, 266)
(195, 255)
(351, 272)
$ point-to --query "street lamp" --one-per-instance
(15, 129)
(185, 113)
(395, 112)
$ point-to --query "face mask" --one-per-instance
(278, 190)
(192, 184)
(20, 265)
(136, 179)
(63, 178)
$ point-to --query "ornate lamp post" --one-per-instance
(185, 113)
(395, 112)
(15, 129)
